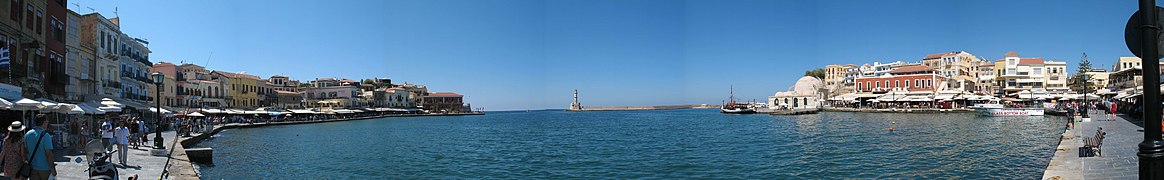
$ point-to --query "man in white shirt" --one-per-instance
(106, 135)
(122, 135)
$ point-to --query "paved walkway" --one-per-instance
(73, 165)
(1118, 160)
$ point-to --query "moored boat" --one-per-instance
(995, 109)
(736, 108)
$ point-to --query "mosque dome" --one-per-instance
(805, 86)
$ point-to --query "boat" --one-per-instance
(732, 107)
(996, 109)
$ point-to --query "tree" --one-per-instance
(819, 73)
(1077, 82)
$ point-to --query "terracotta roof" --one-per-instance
(444, 94)
(938, 55)
(1029, 61)
(914, 68)
(285, 92)
(1012, 54)
(237, 75)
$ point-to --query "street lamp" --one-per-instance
(1083, 78)
(158, 78)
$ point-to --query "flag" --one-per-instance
(5, 59)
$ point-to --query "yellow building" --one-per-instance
(241, 89)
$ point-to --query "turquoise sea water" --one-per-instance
(693, 143)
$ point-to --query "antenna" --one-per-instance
(207, 65)
(78, 5)
(91, 10)
(115, 12)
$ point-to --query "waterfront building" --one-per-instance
(326, 94)
(805, 94)
(880, 69)
(80, 64)
(241, 89)
(1127, 76)
(195, 93)
(22, 31)
(169, 85)
(283, 83)
(959, 66)
(1097, 78)
(288, 100)
(1016, 74)
(908, 78)
(415, 92)
(986, 77)
(133, 59)
(834, 75)
(98, 32)
(449, 102)
(851, 74)
(395, 97)
(52, 66)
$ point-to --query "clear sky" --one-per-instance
(528, 54)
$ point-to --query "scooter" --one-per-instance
(99, 166)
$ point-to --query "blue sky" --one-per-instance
(527, 54)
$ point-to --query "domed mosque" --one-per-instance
(803, 94)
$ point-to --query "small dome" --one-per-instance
(806, 85)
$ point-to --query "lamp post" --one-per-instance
(158, 78)
(1083, 78)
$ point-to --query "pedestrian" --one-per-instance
(1111, 112)
(13, 154)
(144, 132)
(74, 135)
(121, 134)
(107, 135)
(39, 144)
(133, 133)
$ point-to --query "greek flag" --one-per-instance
(5, 59)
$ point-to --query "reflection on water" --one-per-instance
(636, 144)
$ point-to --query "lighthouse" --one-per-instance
(575, 106)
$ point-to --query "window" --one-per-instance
(1038, 71)
(28, 16)
(879, 84)
(906, 83)
(14, 10)
(896, 83)
(1010, 61)
(39, 19)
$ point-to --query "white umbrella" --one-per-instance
(195, 114)
(75, 110)
(110, 102)
(110, 108)
(4, 104)
(27, 104)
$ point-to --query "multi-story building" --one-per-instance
(1015, 74)
(283, 83)
(194, 93)
(22, 31)
(169, 85)
(53, 66)
(99, 33)
(331, 96)
(986, 81)
(450, 102)
(288, 100)
(880, 69)
(1056, 75)
(851, 74)
(908, 78)
(415, 92)
(1097, 78)
(80, 65)
(959, 66)
(135, 65)
(391, 97)
(1127, 73)
(834, 75)
(241, 89)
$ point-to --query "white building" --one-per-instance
(804, 94)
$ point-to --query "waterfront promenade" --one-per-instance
(73, 165)
(1119, 159)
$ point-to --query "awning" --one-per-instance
(302, 111)
(111, 102)
(891, 97)
(213, 111)
(4, 104)
(75, 110)
(946, 97)
(89, 109)
(195, 114)
(27, 105)
(234, 111)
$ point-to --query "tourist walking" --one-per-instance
(121, 134)
(12, 156)
(39, 144)
(107, 135)
(144, 133)
(133, 133)
(1111, 112)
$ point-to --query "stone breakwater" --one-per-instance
(635, 108)
(182, 168)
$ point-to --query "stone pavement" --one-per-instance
(74, 165)
(1118, 160)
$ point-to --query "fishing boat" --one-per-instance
(732, 107)
(996, 109)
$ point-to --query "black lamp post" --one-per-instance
(158, 78)
(1083, 78)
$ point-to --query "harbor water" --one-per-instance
(688, 143)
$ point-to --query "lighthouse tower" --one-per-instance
(576, 106)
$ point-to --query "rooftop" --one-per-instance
(1030, 61)
(1012, 54)
(444, 94)
(939, 55)
(237, 75)
(914, 68)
